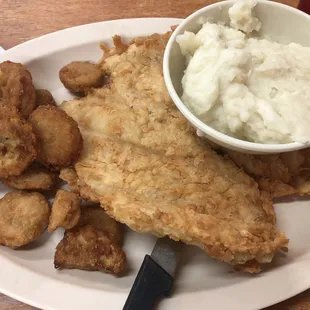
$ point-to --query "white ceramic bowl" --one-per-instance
(281, 23)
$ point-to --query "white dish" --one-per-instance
(29, 275)
(274, 17)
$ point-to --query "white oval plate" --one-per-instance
(28, 275)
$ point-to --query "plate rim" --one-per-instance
(15, 286)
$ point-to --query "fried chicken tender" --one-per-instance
(66, 210)
(156, 177)
(58, 136)
(17, 143)
(97, 218)
(88, 248)
(80, 76)
(23, 218)
(44, 97)
(35, 177)
(16, 87)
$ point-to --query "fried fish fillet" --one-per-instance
(281, 174)
(143, 163)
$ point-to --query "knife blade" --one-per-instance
(156, 275)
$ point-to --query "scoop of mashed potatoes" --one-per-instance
(246, 86)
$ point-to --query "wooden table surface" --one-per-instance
(21, 20)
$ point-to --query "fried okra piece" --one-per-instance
(35, 177)
(17, 90)
(23, 218)
(88, 248)
(59, 138)
(44, 97)
(17, 143)
(66, 210)
(79, 76)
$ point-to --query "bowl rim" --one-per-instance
(203, 127)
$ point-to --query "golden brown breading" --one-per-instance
(76, 186)
(206, 201)
(34, 177)
(147, 178)
(279, 167)
(97, 218)
(58, 136)
(280, 174)
(152, 126)
(17, 88)
(66, 210)
(118, 48)
(80, 76)
(88, 248)
(17, 143)
(23, 218)
(44, 97)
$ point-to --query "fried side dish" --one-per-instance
(165, 185)
(76, 185)
(44, 97)
(80, 76)
(16, 87)
(17, 143)
(23, 218)
(280, 174)
(35, 177)
(88, 248)
(58, 136)
(97, 218)
(66, 210)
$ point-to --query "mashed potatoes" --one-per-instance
(245, 86)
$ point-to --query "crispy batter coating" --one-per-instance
(88, 248)
(23, 218)
(17, 88)
(280, 174)
(79, 76)
(151, 173)
(66, 210)
(58, 136)
(44, 97)
(77, 186)
(17, 143)
(97, 218)
(35, 177)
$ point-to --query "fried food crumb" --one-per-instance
(35, 177)
(66, 210)
(79, 76)
(97, 218)
(58, 136)
(23, 218)
(44, 97)
(17, 143)
(88, 248)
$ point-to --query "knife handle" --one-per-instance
(152, 283)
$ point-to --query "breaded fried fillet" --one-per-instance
(150, 172)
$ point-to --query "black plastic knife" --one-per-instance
(155, 277)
